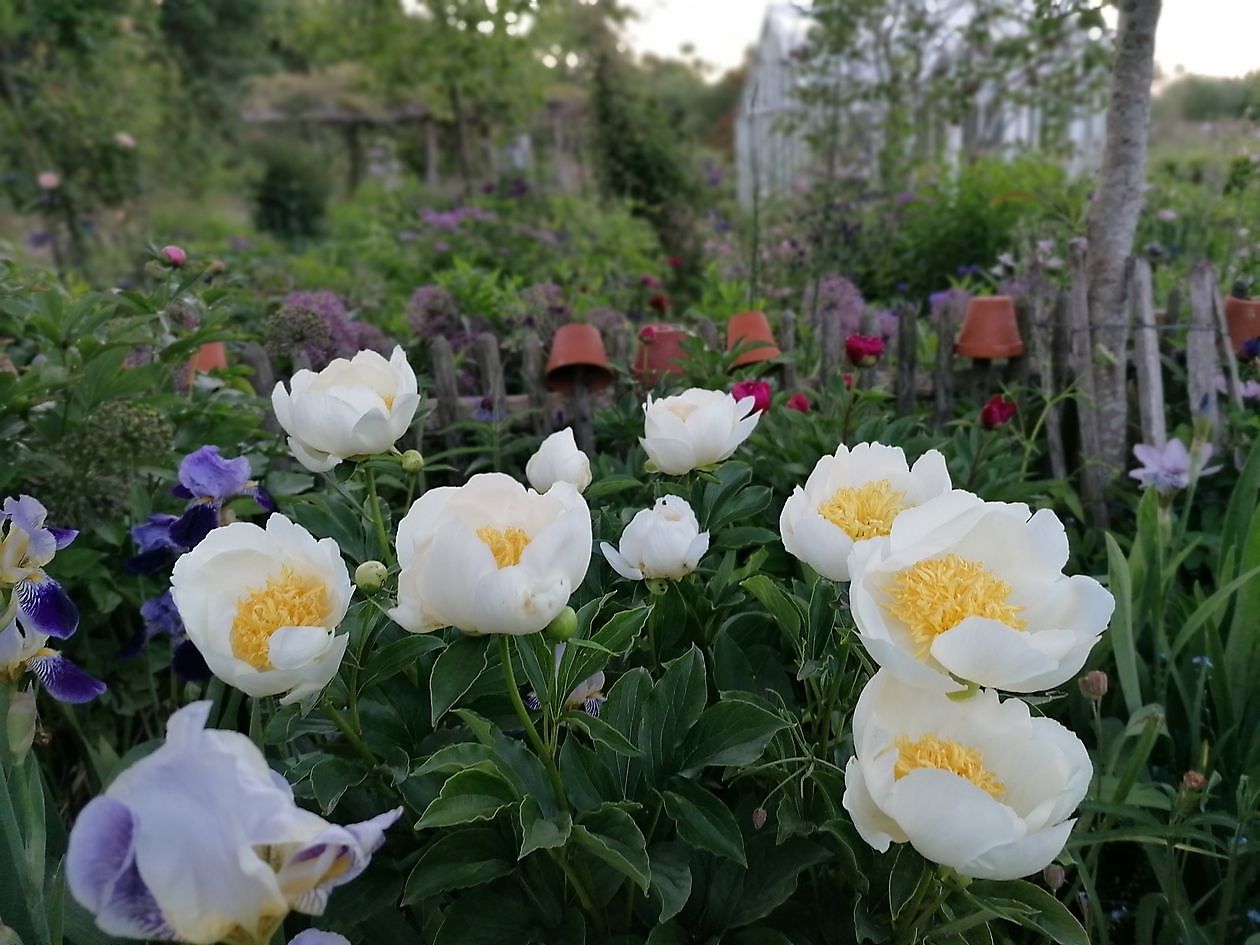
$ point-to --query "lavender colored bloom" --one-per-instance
(205, 474)
(485, 412)
(25, 650)
(1249, 389)
(544, 307)
(837, 300)
(1171, 467)
(441, 246)
(316, 937)
(332, 311)
(27, 545)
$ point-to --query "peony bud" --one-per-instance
(863, 350)
(1054, 876)
(21, 723)
(173, 256)
(562, 626)
(759, 817)
(1093, 685)
(370, 576)
(798, 402)
(48, 180)
(412, 462)
(759, 391)
(997, 412)
(1193, 781)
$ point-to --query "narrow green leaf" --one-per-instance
(1042, 912)
(704, 821)
(394, 657)
(467, 796)
(597, 730)
(1122, 626)
(542, 833)
(455, 671)
(671, 879)
(458, 859)
(733, 732)
(332, 778)
(610, 834)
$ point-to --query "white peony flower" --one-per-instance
(979, 785)
(262, 606)
(975, 591)
(664, 541)
(854, 496)
(202, 842)
(350, 408)
(695, 428)
(559, 460)
(491, 556)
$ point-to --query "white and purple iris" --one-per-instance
(201, 842)
(1172, 466)
(208, 482)
(588, 695)
(34, 607)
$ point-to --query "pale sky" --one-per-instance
(1209, 37)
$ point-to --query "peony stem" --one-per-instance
(514, 693)
(382, 537)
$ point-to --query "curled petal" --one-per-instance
(206, 474)
(64, 681)
(44, 607)
(198, 520)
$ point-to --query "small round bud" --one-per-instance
(1193, 781)
(759, 817)
(173, 256)
(370, 576)
(412, 462)
(1054, 876)
(563, 626)
(20, 723)
(216, 266)
(657, 587)
(1093, 685)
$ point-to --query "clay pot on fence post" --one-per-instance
(577, 367)
(660, 352)
(751, 332)
(209, 357)
(990, 332)
(1243, 318)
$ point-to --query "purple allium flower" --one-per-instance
(543, 306)
(837, 300)
(1170, 468)
(331, 309)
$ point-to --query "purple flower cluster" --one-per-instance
(839, 300)
(317, 327)
(543, 307)
(451, 220)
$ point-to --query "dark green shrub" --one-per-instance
(291, 196)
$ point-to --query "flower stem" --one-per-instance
(514, 693)
(382, 537)
(351, 736)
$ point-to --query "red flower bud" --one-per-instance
(1093, 685)
(799, 402)
(759, 817)
(848, 381)
(997, 412)
(649, 282)
(759, 391)
(863, 350)
(173, 256)
(676, 262)
(659, 302)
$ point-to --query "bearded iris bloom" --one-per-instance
(27, 651)
(27, 544)
(208, 482)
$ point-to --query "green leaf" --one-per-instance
(671, 879)
(491, 915)
(542, 833)
(455, 671)
(332, 778)
(470, 795)
(610, 485)
(597, 730)
(1030, 906)
(538, 661)
(610, 834)
(672, 708)
(394, 657)
(1122, 626)
(615, 637)
(515, 762)
(704, 821)
(458, 859)
(456, 757)
(783, 607)
(733, 732)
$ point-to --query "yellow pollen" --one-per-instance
(389, 401)
(288, 600)
(946, 754)
(506, 546)
(937, 595)
(865, 511)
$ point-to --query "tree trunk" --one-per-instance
(463, 143)
(1113, 217)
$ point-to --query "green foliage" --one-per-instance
(291, 194)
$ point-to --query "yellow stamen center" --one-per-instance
(865, 511)
(389, 401)
(287, 600)
(506, 546)
(946, 754)
(935, 596)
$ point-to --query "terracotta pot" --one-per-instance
(989, 329)
(749, 327)
(209, 357)
(1243, 318)
(577, 352)
(660, 352)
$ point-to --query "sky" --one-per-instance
(1209, 37)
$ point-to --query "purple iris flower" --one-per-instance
(208, 481)
(27, 544)
(1172, 466)
(23, 650)
(161, 618)
(316, 937)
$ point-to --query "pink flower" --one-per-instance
(798, 401)
(863, 350)
(48, 180)
(124, 140)
(659, 302)
(173, 256)
(650, 282)
(759, 391)
(997, 412)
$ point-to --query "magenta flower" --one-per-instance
(759, 391)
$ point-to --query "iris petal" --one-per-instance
(207, 475)
(44, 607)
(64, 681)
(195, 524)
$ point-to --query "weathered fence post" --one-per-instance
(581, 415)
(787, 344)
(491, 369)
(708, 333)
(869, 326)
(1233, 383)
(1043, 306)
(262, 377)
(943, 380)
(1150, 378)
(532, 376)
(1019, 369)
(1202, 366)
(445, 388)
(1093, 465)
(907, 357)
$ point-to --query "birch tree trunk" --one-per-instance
(1113, 217)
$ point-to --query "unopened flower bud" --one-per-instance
(173, 256)
(412, 462)
(370, 576)
(759, 817)
(1054, 876)
(563, 626)
(1193, 781)
(20, 723)
(216, 266)
(657, 587)
(1093, 685)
